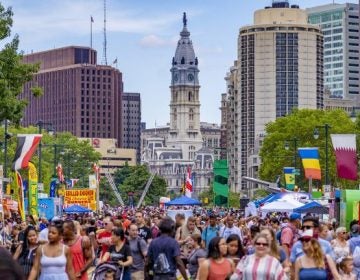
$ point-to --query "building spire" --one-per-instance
(184, 19)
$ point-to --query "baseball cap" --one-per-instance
(295, 216)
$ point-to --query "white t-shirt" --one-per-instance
(43, 235)
(225, 232)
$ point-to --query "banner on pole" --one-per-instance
(33, 190)
(20, 188)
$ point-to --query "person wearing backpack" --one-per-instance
(289, 233)
(164, 254)
(138, 248)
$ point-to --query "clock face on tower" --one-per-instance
(190, 77)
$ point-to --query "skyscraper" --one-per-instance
(79, 96)
(279, 67)
(340, 26)
(131, 122)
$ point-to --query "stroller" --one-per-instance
(103, 268)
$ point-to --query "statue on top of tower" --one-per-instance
(184, 19)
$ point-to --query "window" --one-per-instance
(191, 114)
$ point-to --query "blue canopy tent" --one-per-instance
(76, 209)
(312, 207)
(183, 200)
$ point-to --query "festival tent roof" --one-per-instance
(281, 205)
(76, 209)
(183, 200)
(312, 207)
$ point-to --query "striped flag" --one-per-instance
(188, 183)
(310, 161)
(26, 146)
(289, 178)
(346, 158)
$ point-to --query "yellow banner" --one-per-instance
(20, 188)
(83, 197)
(33, 190)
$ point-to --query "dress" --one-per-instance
(53, 268)
(312, 273)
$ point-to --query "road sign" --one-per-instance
(296, 171)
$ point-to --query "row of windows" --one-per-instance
(95, 93)
(333, 38)
(334, 65)
(95, 86)
(98, 79)
(326, 16)
(100, 135)
(97, 72)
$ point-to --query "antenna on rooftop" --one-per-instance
(104, 58)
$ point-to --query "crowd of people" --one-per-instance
(214, 244)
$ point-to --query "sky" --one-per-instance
(142, 36)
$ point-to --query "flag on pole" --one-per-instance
(96, 170)
(73, 182)
(188, 183)
(115, 61)
(21, 203)
(60, 173)
(310, 161)
(26, 146)
(289, 177)
(92, 19)
(346, 158)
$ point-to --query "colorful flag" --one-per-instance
(33, 190)
(346, 158)
(289, 177)
(188, 183)
(73, 182)
(60, 173)
(53, 185)
(310, 160)
(26, 147)
(20, 186)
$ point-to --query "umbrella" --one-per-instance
(183, 200)
(312, 207)
(76, 209)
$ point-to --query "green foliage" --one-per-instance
(13, 73)
(234, 198)
(133, 179)
(260, 193)
(300, 125)
(75, 156)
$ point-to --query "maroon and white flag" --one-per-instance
(26, 146)
(188, 183)
(346, 158)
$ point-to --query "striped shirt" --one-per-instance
(254, 268)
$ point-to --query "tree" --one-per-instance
(13, 73)
(300, 124)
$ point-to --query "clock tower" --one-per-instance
(184, 130)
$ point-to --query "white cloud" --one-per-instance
(152, 40)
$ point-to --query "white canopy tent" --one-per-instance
(281, 205)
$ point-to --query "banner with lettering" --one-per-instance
(33, 190)
(83, 197)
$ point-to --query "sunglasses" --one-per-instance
(307, 227)
(261, 244)
(305, 239)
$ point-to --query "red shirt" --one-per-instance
(103, 238)
(78, 259)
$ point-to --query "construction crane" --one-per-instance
(147, 186)
(114, 188)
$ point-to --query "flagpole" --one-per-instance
(91, 35)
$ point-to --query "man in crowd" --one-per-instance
(144, 231)
(104, 237)
(80, 249)
(289, 233)
(138, 249)
(229, 229)
(354, 244)
(210, 231)
(164, 250)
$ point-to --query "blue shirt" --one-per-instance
(297, 250)
(209, 233)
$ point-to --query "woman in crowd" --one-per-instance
(216, 266)
(340, 244)
(324, 232)
(235, 249)
(196, 256)
(260, 265)
(119, 252)
(54, 258)
(275, 250)
(312, 265)
(25, 252)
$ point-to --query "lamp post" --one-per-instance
(326, 127)
(7, 136)
(287, 147)
(40, 124)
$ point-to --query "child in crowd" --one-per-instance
(110, 275)
(346, 267)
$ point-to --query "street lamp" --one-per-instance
(7, 136)
(287, 147)
(326, 127)
(40, 124)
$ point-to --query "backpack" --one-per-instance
(161, 264)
